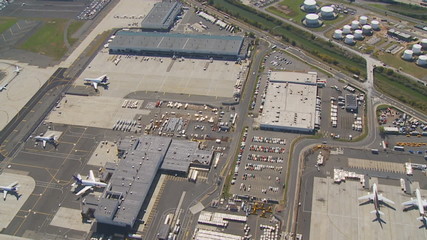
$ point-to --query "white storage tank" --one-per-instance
(407, 54)
(327, 12)
(358, 34)
(310, 6)
(312, 20)
(416, 48)
(338, 34)
(349, 39)
(422, 60)
(363, 20)
(355, 24)
(367, 30)
(424, 43)
(346, 29)
(375, 25)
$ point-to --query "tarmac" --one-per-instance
(138, 73)
(21, 87)
(93, 111)
(14, 202)
(336, 213)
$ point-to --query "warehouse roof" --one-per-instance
(161, 16)
(177, 43)
(290, 104)
(131, 180)
(182, 153)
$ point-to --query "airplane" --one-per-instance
(102, 80)
(376, 199)
(419, 203)
(17, 70)
(50, 139)
(11, 188)
(88, 184)
(3, 87)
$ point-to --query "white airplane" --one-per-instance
(3, 87)
(88, 184)
(17, 69)
(46, 139)
(419, 203)
(102, 80)
(11, 188)
(376, 199)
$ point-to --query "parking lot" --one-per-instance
(261, 165)
(337, 122)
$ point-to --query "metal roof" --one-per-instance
(131, 180)
(161, 16)
(182, 153)
(177, 43)
(351, 101)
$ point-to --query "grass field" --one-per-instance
(413, 11)
(292, 8)
(6, 23)
(408, 67)
(411, 93)
(49, 39)
(293, 11)
(74, 26)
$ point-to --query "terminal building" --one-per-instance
(132, 177)
(162, 16)
(179, 45)
(290, 103)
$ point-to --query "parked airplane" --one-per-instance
(17, 70)
(45, 139)
(420, 204)
(376, 199)
(11, 188)
(3, 87)
(88, 184)
(102, 80)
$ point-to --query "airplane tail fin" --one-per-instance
(77, 178)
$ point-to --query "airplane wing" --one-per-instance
(44, 143)
(367, 197)
(95, 85)
(13, 184)
(91, 176)
(4, 194)
(83, 190)
(384, 199)
(412, 202)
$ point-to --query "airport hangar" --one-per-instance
(290, 103)
(131, 178)
(162, 16)
(179, 45)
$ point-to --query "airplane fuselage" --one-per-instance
(420, 202)
(93, 183)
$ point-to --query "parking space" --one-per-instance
(337, 121)
(261, 163)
